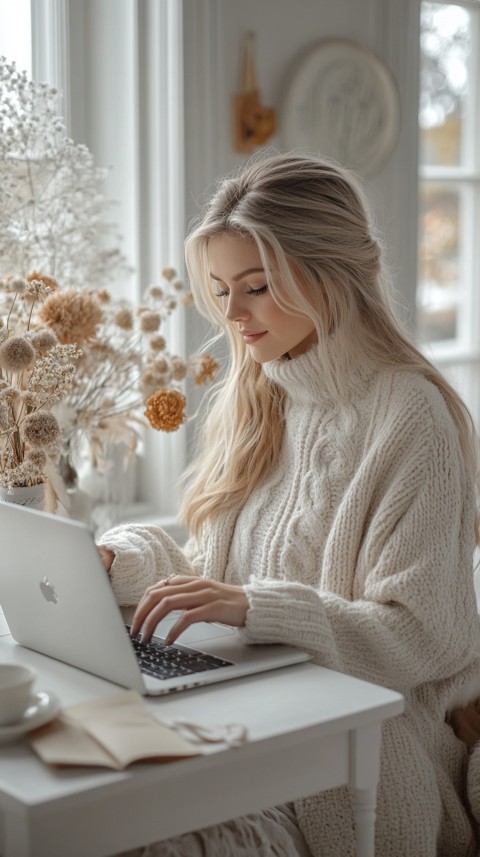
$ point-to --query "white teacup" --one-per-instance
(15, 691)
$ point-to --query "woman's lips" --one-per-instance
(250, 337)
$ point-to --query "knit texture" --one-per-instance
(271, 833)
(358, 548)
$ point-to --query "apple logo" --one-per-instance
(48, 591)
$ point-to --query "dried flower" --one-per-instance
(187, 300)
(157, 343)
(123, 318)
(37, 457)
(168, 274)
(30, 399)
(47, 281)
(161, 364)
(36, 290)
(16, 354)
(17, 284)
(204, 368)
(178, 368)
(41, 428)
(165, 410)
(72, 314)
(4, 415)
(43, 340)
(156, 292)
(149, 321)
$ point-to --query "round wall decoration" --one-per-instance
(342, 101)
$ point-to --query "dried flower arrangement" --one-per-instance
(125, 371)
(36, 372)
(55, 238)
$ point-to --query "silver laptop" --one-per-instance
(57, 599)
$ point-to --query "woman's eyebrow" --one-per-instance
(240, 275)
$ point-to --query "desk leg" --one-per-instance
(16, 839)
(365, 746)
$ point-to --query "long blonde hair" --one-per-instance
(311, 224)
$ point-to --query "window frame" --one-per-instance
(68, 40)
(466, 346)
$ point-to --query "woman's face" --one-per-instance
(239, 281)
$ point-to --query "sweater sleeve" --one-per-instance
(413, 618)
(143, 555)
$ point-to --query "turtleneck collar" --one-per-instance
(303, 380)
(301, 377)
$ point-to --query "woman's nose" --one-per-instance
(236, 309)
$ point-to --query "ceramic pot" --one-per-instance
(32, 496)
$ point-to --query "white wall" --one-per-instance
(214, 39)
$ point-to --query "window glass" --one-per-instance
(16, 34)
(448, 252)
(439, 260)
(444, 74)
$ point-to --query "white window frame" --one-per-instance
(460, 358)
(74, 47)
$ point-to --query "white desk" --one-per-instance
(310, 729)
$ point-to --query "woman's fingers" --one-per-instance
(212, 611)
(157, 610)
(199, 599)
(157, 594)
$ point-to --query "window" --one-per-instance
(449, 201)
(130, 116)
(15, 33)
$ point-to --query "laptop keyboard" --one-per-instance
(161, 661)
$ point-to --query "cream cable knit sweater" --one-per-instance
(358, 547)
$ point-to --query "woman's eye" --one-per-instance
(219, 293)
(259, 291)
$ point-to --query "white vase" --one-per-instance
(32, 496)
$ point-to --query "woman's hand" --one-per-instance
(201, 601)
(107, 556)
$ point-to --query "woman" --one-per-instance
(331, 504)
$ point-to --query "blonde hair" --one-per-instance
(311, 224)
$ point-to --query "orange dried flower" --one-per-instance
(165, 410)
(205, 368)
(72, 314)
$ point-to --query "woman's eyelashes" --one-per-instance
(260, 291)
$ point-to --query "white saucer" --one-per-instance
(43, 708)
